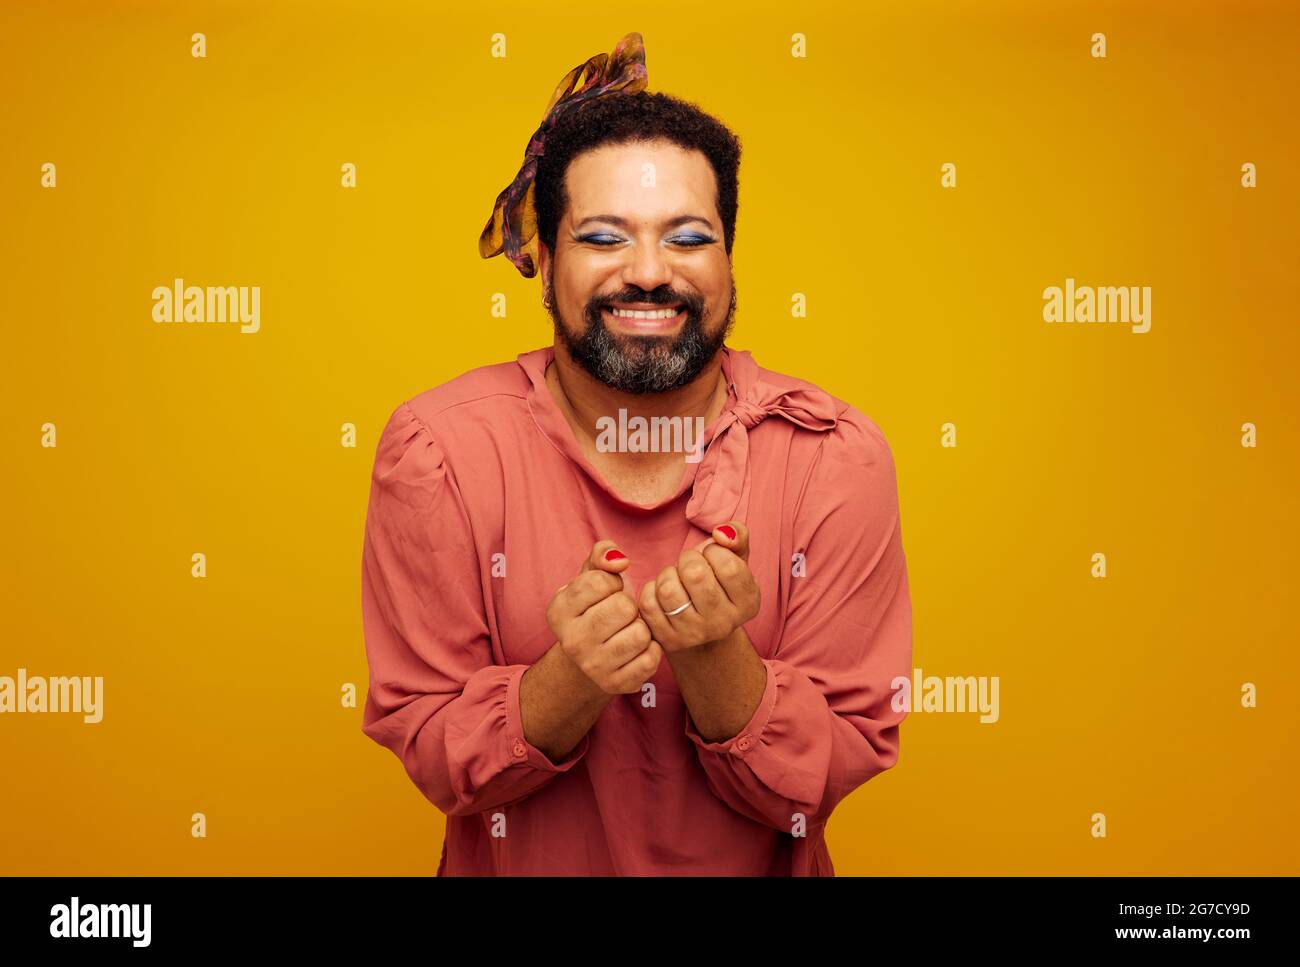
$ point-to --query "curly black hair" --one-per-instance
(623, 118)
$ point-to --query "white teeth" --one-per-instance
(638, 314)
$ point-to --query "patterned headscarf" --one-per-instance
(513, 225)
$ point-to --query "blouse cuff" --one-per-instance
(747, 739)
(518, 747)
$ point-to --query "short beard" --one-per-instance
(645, 364)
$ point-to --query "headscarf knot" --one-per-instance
(513, 226)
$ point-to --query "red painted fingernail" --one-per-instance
(614, 555)
(728, 532)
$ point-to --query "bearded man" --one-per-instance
(657, 658)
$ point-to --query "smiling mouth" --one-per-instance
(645, 318)
(644, 311)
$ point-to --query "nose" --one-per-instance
(647, 268)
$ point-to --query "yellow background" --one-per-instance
(1119, 696)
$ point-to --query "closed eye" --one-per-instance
(685, 241)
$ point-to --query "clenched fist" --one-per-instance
(714, 583)
(598, 625)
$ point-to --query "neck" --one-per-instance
(584, 399)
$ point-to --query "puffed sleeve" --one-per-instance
(435, 697)
(826, 722)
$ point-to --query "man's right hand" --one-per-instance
(598, 625)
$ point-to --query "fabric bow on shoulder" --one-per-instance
(722, 481)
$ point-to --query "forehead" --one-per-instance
(642, 181)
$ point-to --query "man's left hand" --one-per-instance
(714, 581)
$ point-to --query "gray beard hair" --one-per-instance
(644, 364)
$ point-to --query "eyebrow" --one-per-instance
(625, 224)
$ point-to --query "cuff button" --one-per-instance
(519, 749)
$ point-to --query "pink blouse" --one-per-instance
(482, 505)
